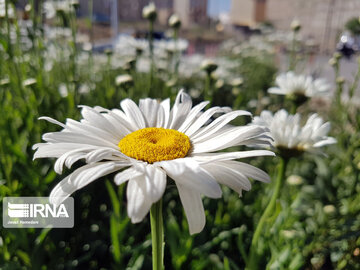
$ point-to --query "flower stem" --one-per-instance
(157, 235)
(292, 64)
(208, 89)
(253, 260)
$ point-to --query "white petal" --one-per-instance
(74, 155)
(203, 119)
(216, 125)
(80, 178)
(96, 119)
(70, 137)
(277, 91)
(210, 157)
(231, 178)
(193, 207)
(51, 120)
(125, 175)
(155, 180)
(165, 104)
(100, 154)
(89, 130)
(46, 150)
(180, 110)
(186, 171)
(192, 115)
(231, 137)
(133, 113)
(246, 169)
(138, 203)
(328, 140)
(149, 107)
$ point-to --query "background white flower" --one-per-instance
(152, 141)
(291, 84)
(290, 137)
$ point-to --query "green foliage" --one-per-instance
(353, 25)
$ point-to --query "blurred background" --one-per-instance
(57, 55)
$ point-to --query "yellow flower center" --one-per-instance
(155, 144)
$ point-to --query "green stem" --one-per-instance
(253, 258)
(293, 108)
(292, 64)
(208, 89)
(157, 235)
(177, 53)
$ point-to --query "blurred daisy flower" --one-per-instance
(10, 10)
(299, 87)
(291, 139)
(144, 144)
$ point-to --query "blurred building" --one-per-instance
(247, 12)
(322, 20)
(190, 11)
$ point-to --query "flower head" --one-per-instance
(208, 65)
(299, 87)
(174, 21)
(149, 12)
(124, 80)
(289, 137)
(144, 144)
(295, 25)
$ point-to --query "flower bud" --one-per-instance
(29, 82)
(295, 26)
(124, 80)
(237, 82)
(4, 81)
(75, 3)
(340, 80)
(149, 12)
(294, 180)
(209, 66)
(174, 21)
(219, 83)
(329, 209)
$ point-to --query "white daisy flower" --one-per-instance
(144, 144)
(299, 87)
(290, 137)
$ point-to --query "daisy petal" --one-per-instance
(51, 120)
(155, 179)
(216, 125)
(180, 110)
(192, 115)
(193, 207)
(125, 175)
(80, 178)
(231, 178)
(211, 157)
(139, 203)
(203, 119)
(150, 107)
(246, 169)
(187, 172)
(133, 113)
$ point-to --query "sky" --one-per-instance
(215, 7)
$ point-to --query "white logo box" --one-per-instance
(37, 212)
